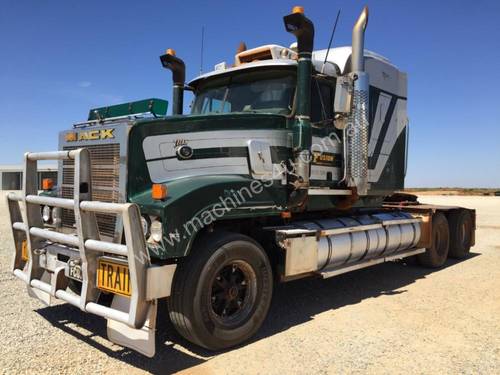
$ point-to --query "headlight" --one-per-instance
(46, 213)
(156, 231)
(145, 222)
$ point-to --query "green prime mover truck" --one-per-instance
(287, 167)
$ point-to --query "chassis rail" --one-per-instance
(27, 224)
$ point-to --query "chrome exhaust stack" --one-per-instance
(358, 42)
(358, 124)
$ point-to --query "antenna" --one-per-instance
(331, 40)
(201, 52)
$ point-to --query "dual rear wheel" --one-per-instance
(451, 237)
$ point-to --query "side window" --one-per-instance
(326, 90)
(321, 100)
(316, 115)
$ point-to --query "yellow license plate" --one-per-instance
(24, 251)
(113, 277)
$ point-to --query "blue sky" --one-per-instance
(60, 58)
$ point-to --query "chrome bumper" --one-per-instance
(148, 282)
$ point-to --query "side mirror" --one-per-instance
(342, 104)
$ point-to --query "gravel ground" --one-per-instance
(391, 318)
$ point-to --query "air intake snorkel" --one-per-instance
(178, 68)
(303, 29)
(357, 131)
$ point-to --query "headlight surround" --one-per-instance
(146, 225)
(57, 216)
(46, 213)
(156, 230)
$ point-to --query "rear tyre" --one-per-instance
(435, 256)
(221, 293)
(460, 222)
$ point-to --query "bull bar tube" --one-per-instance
(148, 282)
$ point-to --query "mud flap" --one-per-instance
(141, 340)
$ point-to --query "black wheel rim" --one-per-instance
(233, 293)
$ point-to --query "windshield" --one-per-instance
(246, 92)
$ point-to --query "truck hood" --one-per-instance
(218, 142)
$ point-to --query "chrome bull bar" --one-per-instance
(27, 224)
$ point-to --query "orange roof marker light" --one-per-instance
(159, 192)
(170, 52)
(298, 9)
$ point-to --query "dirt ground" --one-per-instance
(391, 318)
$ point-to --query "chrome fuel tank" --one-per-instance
(363, 238)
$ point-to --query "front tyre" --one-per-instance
(222, 291)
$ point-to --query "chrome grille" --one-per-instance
(105, 159)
